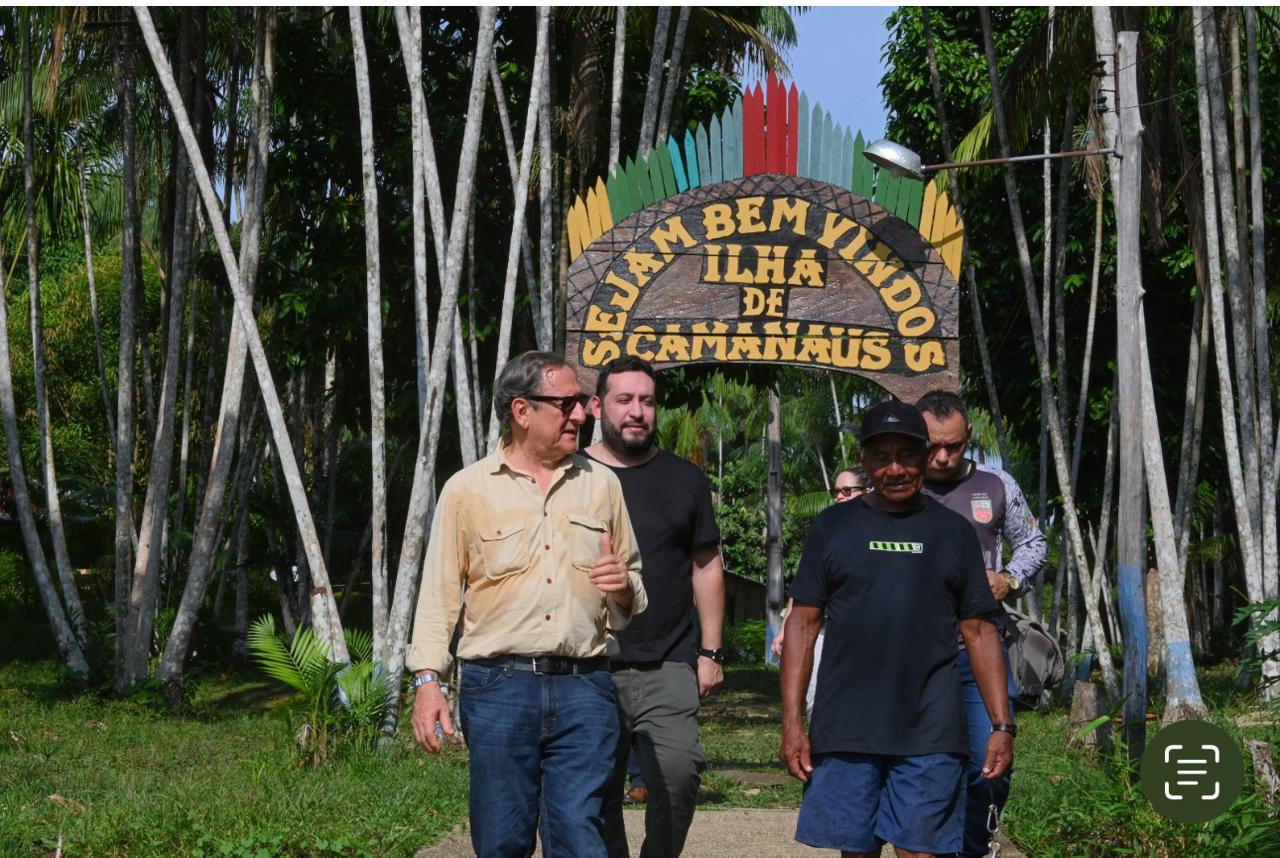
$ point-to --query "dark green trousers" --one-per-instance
(658, 706)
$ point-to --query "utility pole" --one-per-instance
(1131, 525)
(773, 523)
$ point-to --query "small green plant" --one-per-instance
(1263, 619)
(341, 705)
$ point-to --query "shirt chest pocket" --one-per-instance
(505, 550)
(583, 534)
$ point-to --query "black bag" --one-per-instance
(1035, 658)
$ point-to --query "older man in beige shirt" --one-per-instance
(533, 549)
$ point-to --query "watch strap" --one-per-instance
(1011, 729)
(716, 655)
(423, 678)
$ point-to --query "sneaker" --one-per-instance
(637, 795)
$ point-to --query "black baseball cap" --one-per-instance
(893, 417)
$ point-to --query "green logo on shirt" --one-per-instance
(898, 547)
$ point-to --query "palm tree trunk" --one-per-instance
(125, 535)
(526, 254)
(373, 311)
(1262, 343)
(536, 86)
(146, 564)
(408, 568)
(615, 103)
(184, 435)
(649, 119)
(673, 74)
(1042, 359)
(63, 634)
(57, 530)
(93, 293)
(409, 24)
(975, 305)
(1182, 691)
(547, 231)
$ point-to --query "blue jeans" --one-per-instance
(542, 750)
(980, 792)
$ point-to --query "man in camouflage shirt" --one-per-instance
(991, 501)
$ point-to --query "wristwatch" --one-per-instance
(423, 678)
(1011, 729)
(1012, 580)
(716, 655)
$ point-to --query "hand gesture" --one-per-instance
(999, 755)
(609, 572)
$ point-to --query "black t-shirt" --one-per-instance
(669, 501)
(894, 587)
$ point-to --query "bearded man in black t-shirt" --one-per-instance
(662, 669)
(897, 576)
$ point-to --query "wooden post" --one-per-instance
(1131, 530)
(773, 522)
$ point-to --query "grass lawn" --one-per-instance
(124, 778)
(117, 778)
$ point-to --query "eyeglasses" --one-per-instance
(566, 404)
(849, 491)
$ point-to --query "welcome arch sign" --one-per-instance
(765, 237)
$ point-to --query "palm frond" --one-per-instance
(304, 665)
(810, 504)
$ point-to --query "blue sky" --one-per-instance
(837, 62)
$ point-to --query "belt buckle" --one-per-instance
(539, 662)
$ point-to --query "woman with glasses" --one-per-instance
(849, 484)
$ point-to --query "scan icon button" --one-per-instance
(1191, 771)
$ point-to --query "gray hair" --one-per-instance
(522, 377)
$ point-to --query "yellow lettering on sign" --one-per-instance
(625, 297)
(877, 265)
(835, 226)
(760, 302)
(745, 345)
(717, 221)
(793, 210)
(875, 352)
(749, 215)
(640, 334)
(732, 273)
(599, 320)
(921, 356)
(673, 346)
(807, 270)
(599, 352)
(902, 294)
(780, 344)
(770, 262)
(672, 230)
(709, 337)
(815, 348)
(856, 243)
(641, 265)
(712, 272)
(846, 351)
(916, 322)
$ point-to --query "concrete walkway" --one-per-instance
(758, 833)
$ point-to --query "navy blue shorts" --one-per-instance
(859, 802)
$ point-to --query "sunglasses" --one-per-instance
(566, 404)
(848, 491)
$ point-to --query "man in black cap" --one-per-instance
(896, 574)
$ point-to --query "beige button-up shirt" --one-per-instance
(514, 564)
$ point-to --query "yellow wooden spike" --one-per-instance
(606, 213)
(576, 221)
(593, 216)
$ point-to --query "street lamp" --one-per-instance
(904, 163)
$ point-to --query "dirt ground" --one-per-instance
(757, 833)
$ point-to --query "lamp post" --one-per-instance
(904, 163)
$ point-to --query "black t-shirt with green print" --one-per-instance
(894, 587)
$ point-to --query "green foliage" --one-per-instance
(1263, 623)
(745, 642)
(1071, 803)
(341, 705)
(17, 588)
